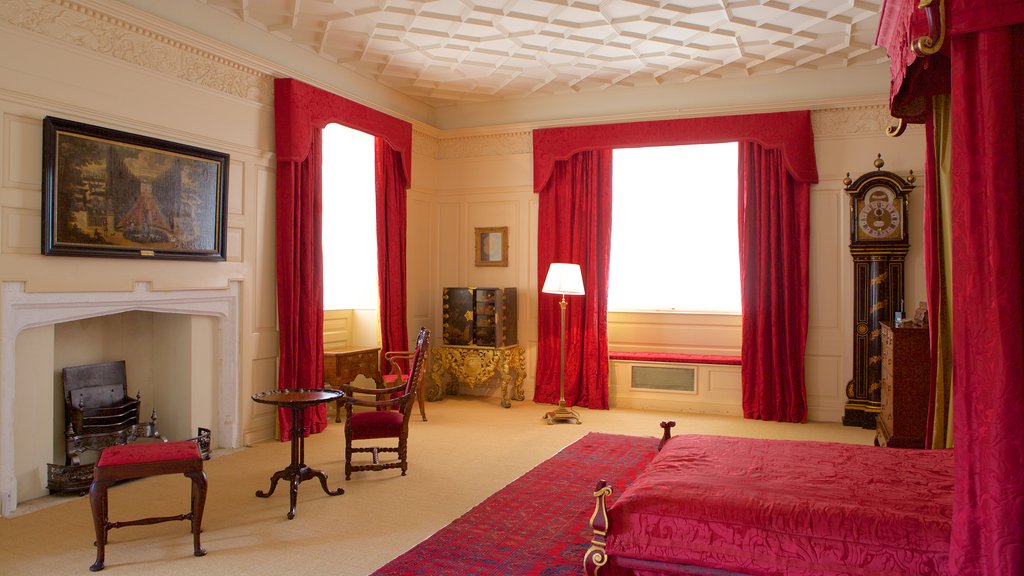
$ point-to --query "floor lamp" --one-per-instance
(563, 279)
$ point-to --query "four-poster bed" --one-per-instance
(721, 505)
(957, 67)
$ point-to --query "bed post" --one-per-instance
(666, 432)
(596, 557)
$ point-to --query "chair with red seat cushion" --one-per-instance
(138, 461)
(390, 419)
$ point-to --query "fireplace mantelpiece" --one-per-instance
(22, 310)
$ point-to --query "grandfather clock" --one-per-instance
(879, 245)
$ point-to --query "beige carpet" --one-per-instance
(469, 449)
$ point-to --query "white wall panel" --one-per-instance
(21, 230)
(22, 146)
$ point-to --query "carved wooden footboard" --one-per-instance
(903, 527)
(596, 556)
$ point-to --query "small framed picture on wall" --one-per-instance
(491, 246)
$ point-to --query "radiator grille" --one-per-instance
(675, 378)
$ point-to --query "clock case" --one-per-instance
(878, 273)
(858, 190)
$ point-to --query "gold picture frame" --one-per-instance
(491, 246)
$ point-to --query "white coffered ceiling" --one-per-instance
(443, 52)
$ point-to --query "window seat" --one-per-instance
(674, 357)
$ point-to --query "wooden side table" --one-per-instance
(342, 365)
(474, 365)
(297, 472)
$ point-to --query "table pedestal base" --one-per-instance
(297, 401)
(296, 475)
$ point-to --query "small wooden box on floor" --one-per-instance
(906, 383)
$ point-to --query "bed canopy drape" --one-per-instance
(979, 64)
(301, 112)
(776, 391)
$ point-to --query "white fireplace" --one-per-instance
(22, 311)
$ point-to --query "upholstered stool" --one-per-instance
(138, 461)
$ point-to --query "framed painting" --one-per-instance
(492, 246)
(111, 193)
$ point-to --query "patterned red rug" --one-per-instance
(539, 524)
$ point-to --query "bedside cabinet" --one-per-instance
(906, 387)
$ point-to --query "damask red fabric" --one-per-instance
(300, 297)
(787, 131)
(391, 186)
(301, 110)
(671, 357)
(558, 153)
(775, 232)
(376, 424)
(988, 300)
(575, 221)
(148, 452)
(985, 40)
(300, 114)
(799, 508)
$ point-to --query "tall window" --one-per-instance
(675, 243)
(349, 220)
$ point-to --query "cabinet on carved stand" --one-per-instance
(480, 342)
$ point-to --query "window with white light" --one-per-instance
(675, 241)
(349, 233)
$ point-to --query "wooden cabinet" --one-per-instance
(906, 386)
(343, 364)
(480, 317)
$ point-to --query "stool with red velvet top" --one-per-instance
(138, 461)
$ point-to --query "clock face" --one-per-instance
(879, 216)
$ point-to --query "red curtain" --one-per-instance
(556, 156)
(988, 300)
(391, 235)
(575, 222)
(774, 228)
(984, 43)
(300, 301)
(300, 113)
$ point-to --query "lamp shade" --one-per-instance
(563, 279)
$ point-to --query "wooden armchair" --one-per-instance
(390, 419)
(401, 362)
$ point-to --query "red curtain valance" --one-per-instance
(966, 16)
(913, 79)
(786, 131)
(302, 108)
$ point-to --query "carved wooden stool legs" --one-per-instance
(138, 461)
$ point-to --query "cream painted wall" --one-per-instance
(162, 81)
(153, 85)
(485, 179)
(36, 398)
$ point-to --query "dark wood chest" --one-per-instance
(906, 385)
(480, 317)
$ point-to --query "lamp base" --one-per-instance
(563, 412)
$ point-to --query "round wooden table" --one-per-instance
(297, 400)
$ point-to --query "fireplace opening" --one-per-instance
(169, 363)
(181, 350)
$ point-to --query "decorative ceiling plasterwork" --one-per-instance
(78, 24)
(443, 52)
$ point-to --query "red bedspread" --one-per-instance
(788, 508)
